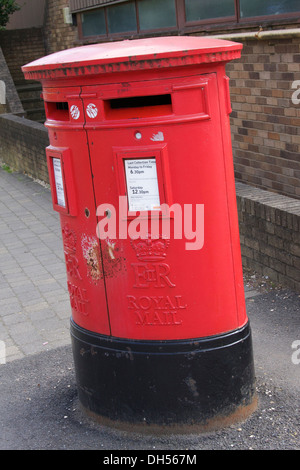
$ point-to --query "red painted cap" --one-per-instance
(139, 54)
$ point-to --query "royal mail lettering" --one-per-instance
(158, 302)
(157, 310)
(157, 318)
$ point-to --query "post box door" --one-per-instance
(69, 172)
(157, 289)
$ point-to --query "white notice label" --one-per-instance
(142, 184)
(59, 182)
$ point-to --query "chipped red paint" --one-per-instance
(135, 55)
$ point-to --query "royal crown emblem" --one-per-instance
(150, 249)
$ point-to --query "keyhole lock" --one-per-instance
(108, 213)
(87, 212)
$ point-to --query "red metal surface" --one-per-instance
(150, 289)
(131, 55)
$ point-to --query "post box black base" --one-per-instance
(208, 381)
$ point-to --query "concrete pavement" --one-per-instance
(34, 302)
(38, 396)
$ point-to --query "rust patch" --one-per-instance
(113, 261)
(91, 253)
(133, 63)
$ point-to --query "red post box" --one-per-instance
(141, 172)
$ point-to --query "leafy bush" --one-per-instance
(7, 7)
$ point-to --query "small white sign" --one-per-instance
(92, 110)
(75, 113)
(142, 184)
(60, 194)
(159, 137)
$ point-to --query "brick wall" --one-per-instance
(58, 34)
(20, 47)
(270, 234)
(22, 145)
(265, 123)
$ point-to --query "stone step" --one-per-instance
(30, 96)
(36, 114)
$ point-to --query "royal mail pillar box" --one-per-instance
(141, 173)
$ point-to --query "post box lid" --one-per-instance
(138, 54)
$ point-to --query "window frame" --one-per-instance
(79, 26)
(147, 31)
(221, 19)
(183, 26)
(121, 34)
(270, 18)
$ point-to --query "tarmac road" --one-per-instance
(38, 395)
(40, 410)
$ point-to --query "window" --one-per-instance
(268, 7)
(136, 18)
(156, 14)
(121, 18)
(196, 10)
(93, 23)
